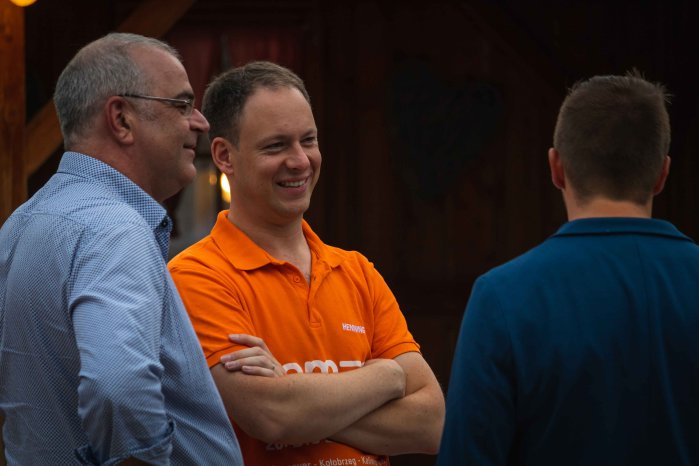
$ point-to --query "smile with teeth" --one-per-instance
(293, 184)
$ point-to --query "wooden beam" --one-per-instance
(13, 184)
(151, 18)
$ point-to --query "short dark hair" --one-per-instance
(226, 95)
(612, 135)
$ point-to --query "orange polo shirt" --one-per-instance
(346, 316)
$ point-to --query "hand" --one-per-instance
(255, 360)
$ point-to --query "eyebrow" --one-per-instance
(185, 95)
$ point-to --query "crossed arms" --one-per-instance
(387, 407)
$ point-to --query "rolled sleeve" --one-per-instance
(157, 453)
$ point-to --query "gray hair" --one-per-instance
(101, 69)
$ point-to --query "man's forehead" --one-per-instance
(270, 99)
(163, 70)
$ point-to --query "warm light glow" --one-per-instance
(23, 2)
(225, 189)
(213, 179)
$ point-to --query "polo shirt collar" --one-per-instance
(96, 171)
(620, 225)
(245, 254)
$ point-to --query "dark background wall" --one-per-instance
(434, 118)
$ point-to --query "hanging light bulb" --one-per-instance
(23, 2)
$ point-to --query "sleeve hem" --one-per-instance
(215, 358)
(397, 350)
(157, 453)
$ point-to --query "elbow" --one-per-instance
(438, 429)
(424, 438)
(426, 442)
(103, 400)
(432, 435)
(267, 430)
(431, 446)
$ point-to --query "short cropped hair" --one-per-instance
(98, 71)
(612, 135)
(227, 94)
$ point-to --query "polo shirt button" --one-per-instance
(296, 278)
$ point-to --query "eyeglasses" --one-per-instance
(185, 106)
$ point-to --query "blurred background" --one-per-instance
(434, 118)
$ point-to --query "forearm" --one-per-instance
(120, 398)
(412, 424)
(307, 407)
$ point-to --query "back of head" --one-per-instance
(225, 97)
(98, 71)
(612, 135)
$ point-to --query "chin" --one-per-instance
(188, 175)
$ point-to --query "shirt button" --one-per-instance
(163, 223)
(296, 278)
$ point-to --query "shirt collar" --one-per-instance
(620, 225)
(244, 254)
(84, 166)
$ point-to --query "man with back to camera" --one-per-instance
(584, 350)
(348, 385)
(99, 363)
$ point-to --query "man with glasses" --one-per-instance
(98, 361)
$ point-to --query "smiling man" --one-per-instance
(98, 361)
(320, 367)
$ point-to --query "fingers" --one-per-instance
(259, 361)
(254, 360)
(246, 353)
(247, 340)
(262, 371)
(255, 365)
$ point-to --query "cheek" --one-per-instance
(318, 161)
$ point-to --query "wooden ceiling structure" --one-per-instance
(12, 112)
(23, 149)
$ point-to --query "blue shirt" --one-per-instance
(583, 351)
(98, 360)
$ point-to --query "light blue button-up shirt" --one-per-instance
(98, 360)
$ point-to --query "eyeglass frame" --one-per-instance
(188, 103)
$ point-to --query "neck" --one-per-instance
(122, 160)
(283, 242)
(602, 207)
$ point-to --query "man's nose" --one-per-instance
(198, 122)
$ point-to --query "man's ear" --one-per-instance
(119, 119)
(557, 173)
(660, 182)
(222, 152)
